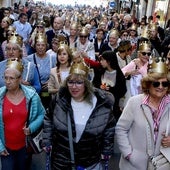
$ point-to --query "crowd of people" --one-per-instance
(90, 74)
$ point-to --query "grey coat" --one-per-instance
(131, 133)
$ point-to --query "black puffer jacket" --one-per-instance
(97, 138)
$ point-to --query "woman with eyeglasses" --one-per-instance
(137, 69)
(15, 100)
(14, 51)
(80, 116)
(143, 129)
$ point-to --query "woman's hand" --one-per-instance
(165, 141)
(4, 153)
(47, 149)
(26, 130)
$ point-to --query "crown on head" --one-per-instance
(153, 27)
(74, 25)
(158, 65)
(84, 31)
(144, 46)
(40, 23)
(114, 32)
(15, 39)
(79, 68)
(40, 37)
(145, 33)
(133, 27)
(15, 63)
(8, 20)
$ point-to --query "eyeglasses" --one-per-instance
(145, 53)
(40, 27)
(11, 79)
(12, 49)
(163, 83)
(70, 83)
(81, 36)
(125, 35)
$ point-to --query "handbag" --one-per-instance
(34, 140)
(159, 162)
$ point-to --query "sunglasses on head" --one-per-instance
(145, 53)
(163, 83)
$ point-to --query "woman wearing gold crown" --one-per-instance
(44, 62)
(80, 116)
(59, 73)
(143, 130)
(14, 50)
(136, 69)
(14, 115)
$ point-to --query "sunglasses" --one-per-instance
(163, 83)
(145, 53)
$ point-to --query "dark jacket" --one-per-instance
(97, 138)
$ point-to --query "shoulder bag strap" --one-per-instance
(71, 141)
(35, 62)
(148, 133)
(29, 108)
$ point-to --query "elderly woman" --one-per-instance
(84, 112)
(14, 50)
(14, 102)
(44, 62)
(140, 131)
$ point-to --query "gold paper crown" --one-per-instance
(74, 25)
(144, 46)
(40, 37)
(15, 63)
(8, 20)
(62, 45)
(153, 27)
(79, 68)
(15, 39)
(114, 32)
(145, 33)
(40, 23)
(102, 24)
(84, 31)
(158, 65)
(133, 27)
